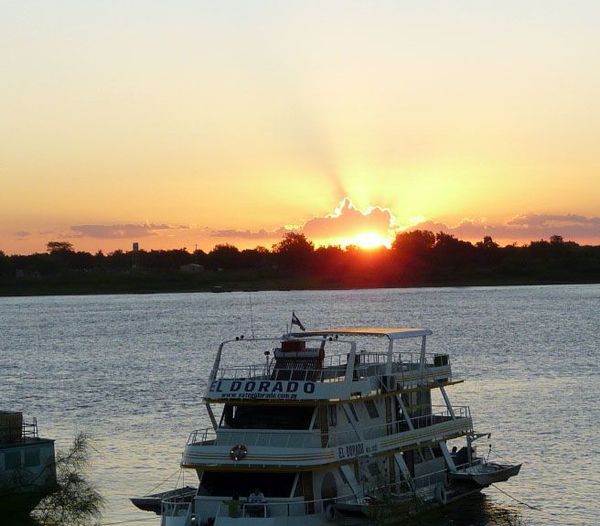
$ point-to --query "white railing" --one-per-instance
(372, 493)
(398, 426)
(252, 437)
(175, 512)
(312, 438)
(334, 368)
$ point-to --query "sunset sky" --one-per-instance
(188, 123)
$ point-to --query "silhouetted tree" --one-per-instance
(415, 242)
(294, 251)
(487, 243)
(57, 247)
(224, 256)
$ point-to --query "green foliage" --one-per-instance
(76, 502)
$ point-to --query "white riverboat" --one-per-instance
(331, 426)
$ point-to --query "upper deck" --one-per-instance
(330, 365)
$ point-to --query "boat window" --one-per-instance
(267, 417)
(351, 406)
(12, 460)
(371, 409)
(32, 457)
(224, 484)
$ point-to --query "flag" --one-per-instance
(296, 321)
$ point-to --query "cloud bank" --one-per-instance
(524, 228)
(126, 231)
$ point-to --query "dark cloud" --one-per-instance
(523, 228)
(21, 234)
(347, 221)
(126, 231)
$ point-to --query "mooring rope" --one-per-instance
(165, 480)
(515, 499)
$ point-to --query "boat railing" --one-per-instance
(288, 507)
(175, 511)
(312, 438)
(334, 367)
(19, 430)
(398, 426)
(297, 506)
(203, 437)
(255, 437)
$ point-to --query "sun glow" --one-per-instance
(368, 240)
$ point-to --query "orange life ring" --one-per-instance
(238, 452)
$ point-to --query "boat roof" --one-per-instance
(392, 333)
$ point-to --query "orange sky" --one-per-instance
(201, 123)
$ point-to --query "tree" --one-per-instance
(75, 501)
(294, 251)
(59, 247)
(224, 256)
(414, 243)
(487, 244)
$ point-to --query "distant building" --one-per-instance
(191, 268)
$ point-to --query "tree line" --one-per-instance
(416, 258)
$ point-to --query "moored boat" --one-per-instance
(27, 464)
(335, 425)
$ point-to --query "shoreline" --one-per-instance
(285, 285)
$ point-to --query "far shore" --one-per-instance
(60, 287)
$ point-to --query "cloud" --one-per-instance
(347, 221)
(523, 228)
(21, 234)
(125, 231)
(553, 220)
(248, 234)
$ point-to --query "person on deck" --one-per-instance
(257, 497)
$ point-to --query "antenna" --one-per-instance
(251, 315)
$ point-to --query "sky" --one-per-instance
(189, 123)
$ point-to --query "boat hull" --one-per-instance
(485, 477)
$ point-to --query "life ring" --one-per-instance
(238, 452)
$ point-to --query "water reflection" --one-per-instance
(475, 510)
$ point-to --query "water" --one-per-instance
(131, 370)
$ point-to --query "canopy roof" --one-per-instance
(393, 333)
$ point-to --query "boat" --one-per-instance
(485, 474)
(329, 426)
(153, 501)
(27, 465)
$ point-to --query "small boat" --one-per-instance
(153, 502)
(485, 473)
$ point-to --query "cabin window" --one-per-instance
(267, 417)
(226, 484)
(371, 409)
(12, 460)
(32, 457)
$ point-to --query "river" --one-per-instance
(130, 371)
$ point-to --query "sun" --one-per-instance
(368, 240)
